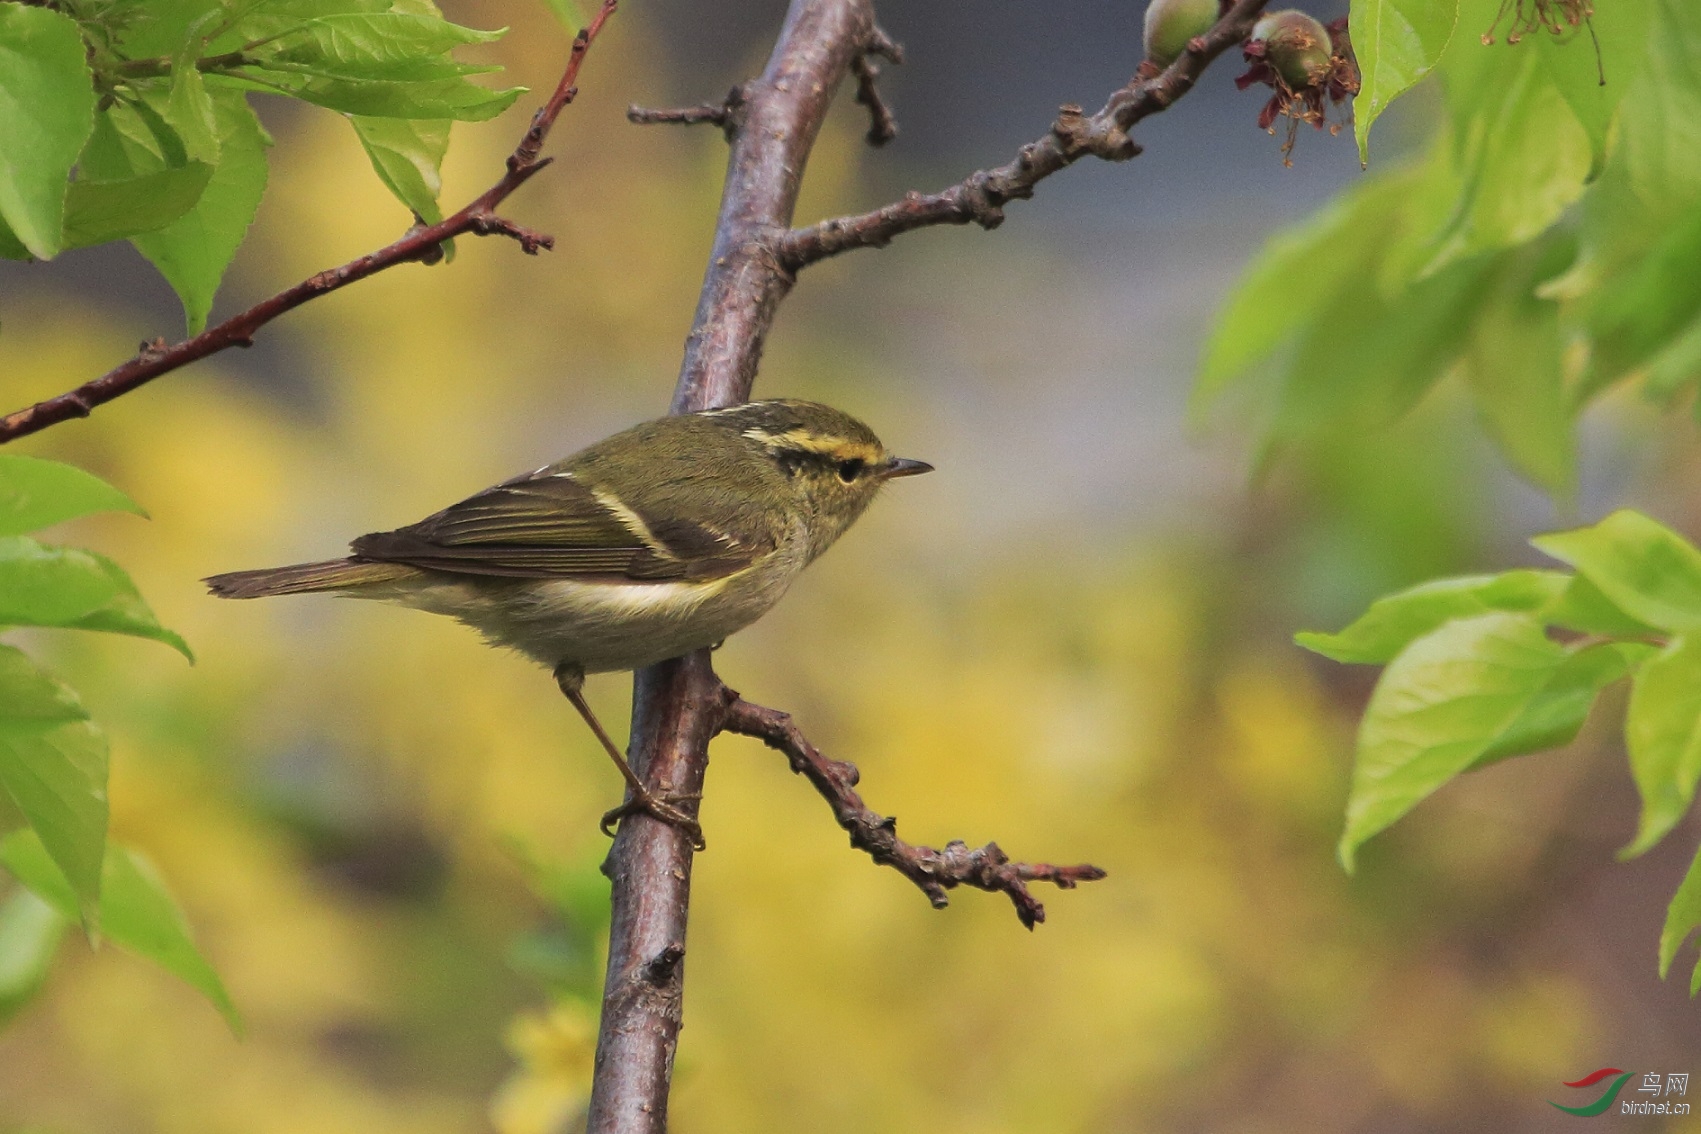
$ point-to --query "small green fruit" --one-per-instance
(1296, 46)
(1171, 23)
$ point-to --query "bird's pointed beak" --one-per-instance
(903, 466)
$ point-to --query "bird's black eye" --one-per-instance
(850, 470)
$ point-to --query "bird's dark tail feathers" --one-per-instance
(302, 578)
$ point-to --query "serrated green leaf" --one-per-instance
(163, 26)
(30, 933)
(1645, 569)
(31, 699)
(137, 912)
(439, 98)
(386, 46)
(1683, 915)
(263, 19)
(407, 155)
(74, 589)
(37, 493)
(130, 139)
(57, 778)
(1397, 42)
(189, 108)
(1556, 714)
(1663, 733)
(193, 251)
(1446, 700)
(1396, 620)
(99, 211)
(127, 613)
(49, 586)
(47, 106)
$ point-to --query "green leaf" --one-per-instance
(1514, 364)
(99, 211)
(1663, 732)
(1643, 307)
(438, 98)
(1661, 120)
(47, 105)
(130, 138)
(388, 46)
(1556, 714)
(1677, 364)
(1521, 155)
(30, 932)
(1395, 621)
(164, 25)
(57, 778)
(1645, 569)
(10, 247)
(1292, 281)
(1586, 610)
(137, 912)
(30, 698)
(37, 493)
(1621, 30)
(572, 17)
(74, 589)
(189, 108)
(1397, 43)
(127, 612)
(49, 586)
(407, 154)
(1682, 917)
(1445, 702)
(193, 251)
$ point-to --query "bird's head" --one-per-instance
(833, 463)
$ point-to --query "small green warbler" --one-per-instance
(649, 544)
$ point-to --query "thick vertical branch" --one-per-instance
(678, 705)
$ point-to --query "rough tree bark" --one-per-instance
(679, 706)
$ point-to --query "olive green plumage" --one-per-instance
(651, 543)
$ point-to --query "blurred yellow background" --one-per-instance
(1073, 639)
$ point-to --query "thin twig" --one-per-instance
(882, 126)
(724, 114)
(934, 871)
(710, 112)
(422, 242)
(980, 197)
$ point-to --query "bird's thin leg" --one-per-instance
(571, 679)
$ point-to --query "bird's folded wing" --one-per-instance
(549, 525)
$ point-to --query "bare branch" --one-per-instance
(934, 871)
(980, 197)
(422, 242)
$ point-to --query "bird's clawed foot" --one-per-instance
(660, 807)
